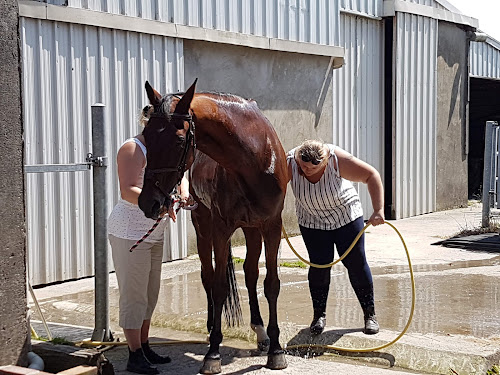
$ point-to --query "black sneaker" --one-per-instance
(318, 325)
(153, 357)
(371, 324)
(138, 363)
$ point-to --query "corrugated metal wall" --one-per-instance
(429, 3)
(414, 185)
(484, 60)
(358, 103)
(369, 7)
(314, 21)
(67, 68)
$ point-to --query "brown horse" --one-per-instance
(238, 176)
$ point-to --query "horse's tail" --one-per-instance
(232, 308)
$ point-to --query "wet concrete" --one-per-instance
(456, 322)
(440, 293)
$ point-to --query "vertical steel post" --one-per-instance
(488, 148)
(100, 185)
(495, 183)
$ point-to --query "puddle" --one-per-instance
(460, 298)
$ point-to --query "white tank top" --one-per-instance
(127, 221)
(328, 204)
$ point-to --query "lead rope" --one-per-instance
(147, 234)
(189, 208)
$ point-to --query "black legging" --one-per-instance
(320, 246)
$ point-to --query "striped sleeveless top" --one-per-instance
(328, 204)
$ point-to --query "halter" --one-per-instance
(181, 165)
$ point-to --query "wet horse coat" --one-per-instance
(238, 176)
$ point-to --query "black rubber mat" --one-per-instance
(482, 242)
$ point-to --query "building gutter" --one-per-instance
(391, 7)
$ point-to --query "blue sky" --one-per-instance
(486, 11)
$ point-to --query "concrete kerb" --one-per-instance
(427, 353)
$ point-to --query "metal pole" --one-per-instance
(487, 173)
(100, 185)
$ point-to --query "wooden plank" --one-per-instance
(80, 370)
(18, 370)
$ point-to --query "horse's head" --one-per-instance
(170, 144)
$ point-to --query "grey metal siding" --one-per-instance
(358, 107)
(314, 21)
(414, 125)
(485, 59)
(65, 69)
(368, 7)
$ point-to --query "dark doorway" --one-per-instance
(388, 131)
(484, 106)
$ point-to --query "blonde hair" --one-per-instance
(144, 115)
(312, 149)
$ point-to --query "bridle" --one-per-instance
(181, 165)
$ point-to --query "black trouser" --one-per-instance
(320, 246)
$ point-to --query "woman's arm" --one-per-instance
(184, 190)
(130, 161)
(356, 170)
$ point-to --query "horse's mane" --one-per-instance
(224, 96)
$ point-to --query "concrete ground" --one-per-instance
(455, 327)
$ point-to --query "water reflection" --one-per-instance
(450, 299)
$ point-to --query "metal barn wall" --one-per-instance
(65, 69)
(414, 127)
(366, 7)
(484, 59)
(314, 21)
(429, 3)
(358, 103)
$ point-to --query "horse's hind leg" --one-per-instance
(272, 236)
(254, 247)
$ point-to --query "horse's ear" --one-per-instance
(153, 95)
(183, 106)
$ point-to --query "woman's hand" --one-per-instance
(186, 200)
(377, 218)
(171, 212)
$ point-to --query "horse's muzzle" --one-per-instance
(151, 207)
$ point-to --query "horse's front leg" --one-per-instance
(212, 362)
(276, 359)
(202, 223)
(254, 247)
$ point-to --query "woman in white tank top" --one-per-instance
(138, 272)
(329, 213)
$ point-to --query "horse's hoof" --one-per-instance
(211, 366)
(276, 361)
(264, 345)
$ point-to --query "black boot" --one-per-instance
(319, 321)
(371, 324)
(319, 296)
(153, 357)
(366, 300)
(138, 363)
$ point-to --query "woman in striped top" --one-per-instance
(329, 213)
